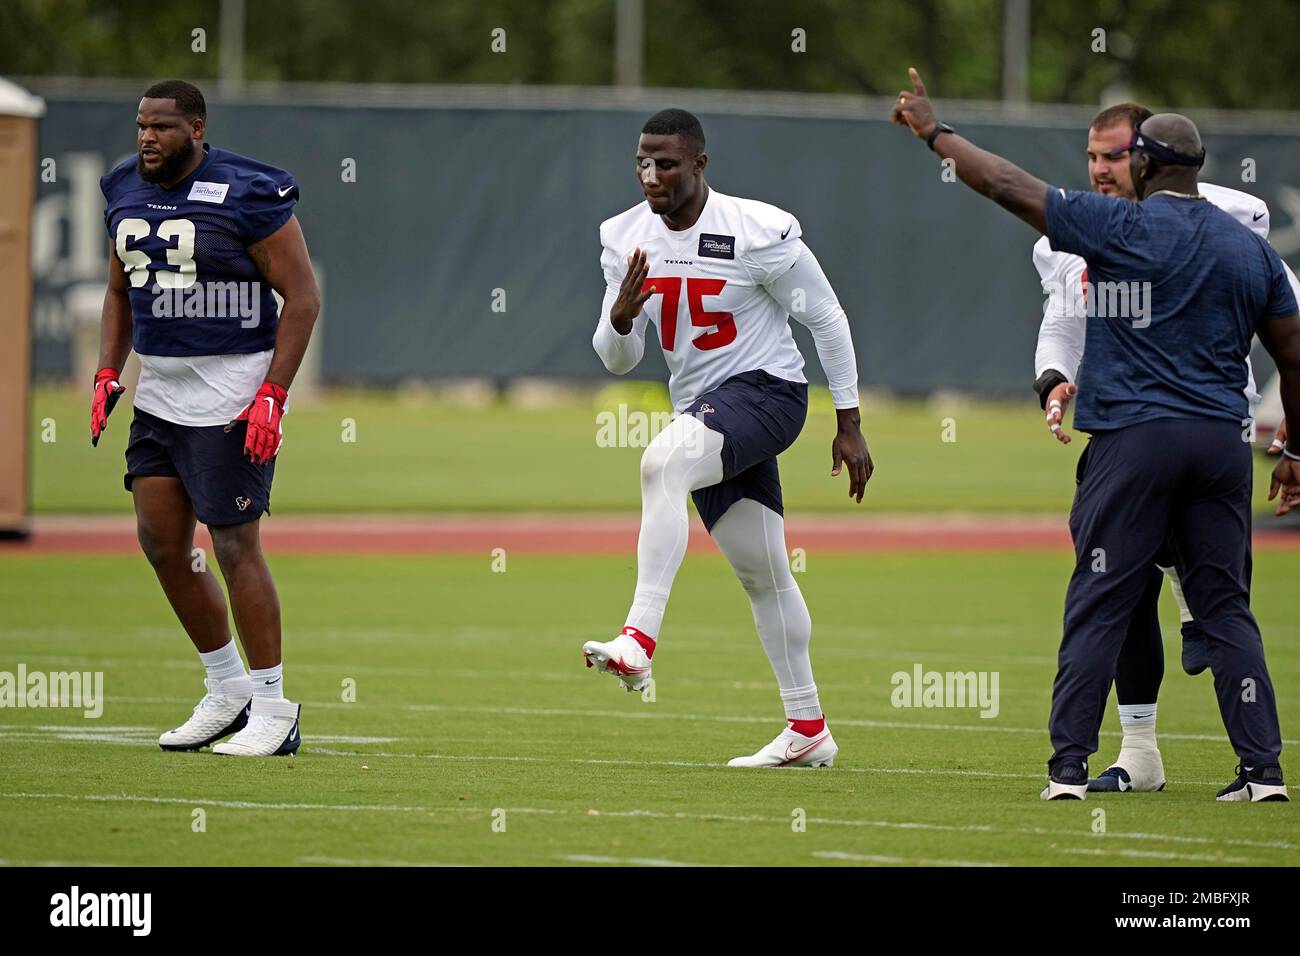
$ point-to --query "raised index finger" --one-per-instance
(917, 86)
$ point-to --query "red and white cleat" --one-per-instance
(793, 749)
(623, 657)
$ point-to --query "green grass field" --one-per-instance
(415, 455)
(471, 699)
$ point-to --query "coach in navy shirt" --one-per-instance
(1178, 289)
(1187, 283)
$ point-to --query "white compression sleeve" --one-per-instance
(683, 457)
(620, 353)
(1061, 332)
(805, 293)
(752, 536)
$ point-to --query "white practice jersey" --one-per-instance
(720, 306)
(1063, 275)
(200, 390)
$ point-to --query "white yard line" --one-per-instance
(629, 860)
(146, 736)
(678, 815)
(1154, 855)
(340, 861)
(903, 860)
(55, 863)
(648, 712)
(208, 802)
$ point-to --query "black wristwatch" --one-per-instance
(934, 134)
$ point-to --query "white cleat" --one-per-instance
(623, 657)
(1134, 771)
(272, 731)
(222, 711)
(792, 749)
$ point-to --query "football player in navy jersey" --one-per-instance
(198, 239)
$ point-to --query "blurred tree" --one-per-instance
(1186, 53)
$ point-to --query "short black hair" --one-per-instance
(674, 122)
(187, 96)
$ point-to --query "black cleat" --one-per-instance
(1257, 785)
(1067, 779)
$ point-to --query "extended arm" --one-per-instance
(1001, 180)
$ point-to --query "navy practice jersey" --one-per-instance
(194, 289)
(1179, 288)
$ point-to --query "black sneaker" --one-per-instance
(1256, 784)
(1067, 779)
(1196, 649)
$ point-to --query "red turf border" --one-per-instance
(579, 534)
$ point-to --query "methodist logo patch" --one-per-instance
(209, 192)
(717, 247)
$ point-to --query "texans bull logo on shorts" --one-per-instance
(242, 503)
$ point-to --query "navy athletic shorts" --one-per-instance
(224, 485)
(759, 416)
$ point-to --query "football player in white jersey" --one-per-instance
(719, 277)
(1140, 670)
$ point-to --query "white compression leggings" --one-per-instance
(685, 456)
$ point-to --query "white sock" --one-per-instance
(1138, 723)
(269, 682)
(801, 703)
(223, 663)
(752, 536)
(685, 456)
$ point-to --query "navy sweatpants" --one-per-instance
(1190, 480)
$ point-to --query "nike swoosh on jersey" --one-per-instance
(787, 230)
(1257, 217)
(284, 192)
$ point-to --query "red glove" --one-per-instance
(107, 392)
(263, 415)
